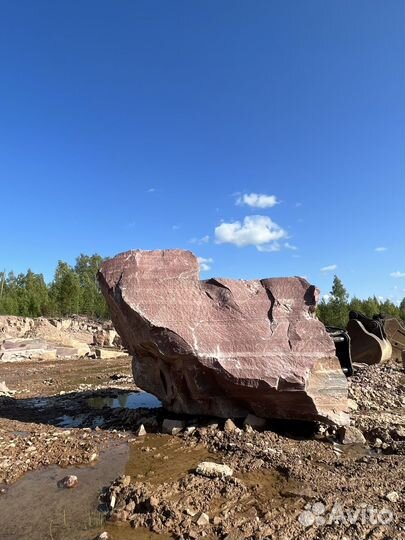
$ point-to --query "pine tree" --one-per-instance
(356, 304)
(91, 300)
(339, 309)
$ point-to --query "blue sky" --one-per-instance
(266, 136)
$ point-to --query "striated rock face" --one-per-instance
(223, 347)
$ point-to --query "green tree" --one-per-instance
(390, 309)
(335, 311)
(35, 295)
(339, 309)
(9, 294)
(91, 300)
(371, 307)
(65, 290)
(356, 304)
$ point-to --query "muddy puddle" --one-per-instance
(78, 409)
(120, 400)
(163, 458)
(36, 509)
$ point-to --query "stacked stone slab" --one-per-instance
(223, 347)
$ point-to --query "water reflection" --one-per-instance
(128, 400)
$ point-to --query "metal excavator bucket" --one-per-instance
(395, 332)
(343, 350)
(369, 342)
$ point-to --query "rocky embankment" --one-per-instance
(23, 338)
(287, 478)
(281, 480)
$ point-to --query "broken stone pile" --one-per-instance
(224, 347)
(176, 507)
(26, 338)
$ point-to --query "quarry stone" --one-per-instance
(222, 347)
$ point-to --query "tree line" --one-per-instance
(335, 310)
(73, 291)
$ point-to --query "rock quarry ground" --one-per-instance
(289, 480)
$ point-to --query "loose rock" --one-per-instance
(213, 470)
(202, 519)
(68, 482)
(141, 431)
(393, 496)
(229, 426)
(350, 435)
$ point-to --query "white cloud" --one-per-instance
(257, 200)
(289, 246)
(259, 231)
(151, 190)
(205, 264)
(204, 240)
(380, 249)
(326, 297)
(397, 274)
(298, 204)
(329, 268)
(176, 227)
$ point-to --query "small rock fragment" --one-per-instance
(68, 482)
(202, 519)
(119, 515)
(153, 502)
(392, 496)
(125, 480)
(229, 426)
(4, 390)
(213, 470)
(141, 431)
(350, 435)
(103, 536)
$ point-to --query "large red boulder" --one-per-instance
(223, 347)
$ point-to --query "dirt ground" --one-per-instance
(289, 480)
